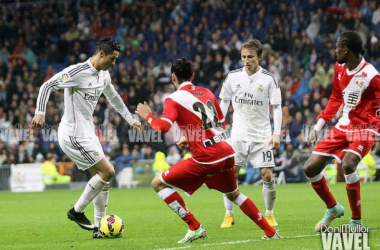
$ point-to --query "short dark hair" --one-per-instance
(253, 44)
(108, 45)
(183, 69)
(352, 41)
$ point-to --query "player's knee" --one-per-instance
(156, 184)
(348, 167)
(109, 173)
(308, 169)
(233, 196)
(267, 174)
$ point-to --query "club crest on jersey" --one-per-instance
(260, 88)
(65, 77)
(359, 82)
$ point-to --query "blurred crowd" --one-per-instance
(40, 38)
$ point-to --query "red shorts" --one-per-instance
(338, 142)
(189, 175)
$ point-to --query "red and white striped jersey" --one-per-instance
(359, 91)
(198, 115)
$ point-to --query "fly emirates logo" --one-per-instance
(248, 100)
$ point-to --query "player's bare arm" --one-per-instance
(38, 121)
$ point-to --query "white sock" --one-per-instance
(352, 178)
(316, 178)
(240, 199)
(229, 205)
(100, 204)
(269, 194)
(165, 193)
(92, 189)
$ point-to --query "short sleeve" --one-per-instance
(170, 111)
(226, 91)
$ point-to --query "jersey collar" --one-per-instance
(355, 70)
(245, 72)
(92, 67)
(184, 84)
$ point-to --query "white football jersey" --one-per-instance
(250, 97)
(82, 85)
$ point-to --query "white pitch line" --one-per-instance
(244, 241)
(234, 242)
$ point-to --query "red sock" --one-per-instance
(177, 204)
(324, 192)
(353, 193)
(250, 209)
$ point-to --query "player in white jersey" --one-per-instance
(83, 84)
(252, 90)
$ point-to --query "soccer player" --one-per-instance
(83, 84)
(357, 86)
(198, 114)
(252, 90)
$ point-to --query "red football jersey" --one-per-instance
(198, 114)
(359, 91)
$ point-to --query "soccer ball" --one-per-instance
(111, 226)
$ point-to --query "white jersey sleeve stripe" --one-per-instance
(45, 95)
(168, 120)
(270, 74)
(78, 69)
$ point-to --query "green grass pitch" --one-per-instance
(38, 220)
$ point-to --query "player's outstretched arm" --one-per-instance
(145, 112)
(114, 98)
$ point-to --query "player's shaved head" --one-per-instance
(253, 44)
(107, 45)
(183, 69)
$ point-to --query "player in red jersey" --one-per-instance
(357, 86)
(198, 114)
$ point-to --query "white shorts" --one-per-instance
(260, 155)
(85, 152)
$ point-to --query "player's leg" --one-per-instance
(269, 194)
(101, 200)
(250, 209)
(225, 182)
(331, 146)
(103, 172)
(261, 156)
(349, 164)
(356, 151)
(241, 149)
(86, 154)
(229, 220)
(313, 169)
(181, 176)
